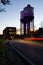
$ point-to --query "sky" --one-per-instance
(11, 18)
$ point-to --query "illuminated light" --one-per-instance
(10, 29)
(11, 32)
(12, 37)
(31, 29)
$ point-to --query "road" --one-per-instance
(30, 49)
(11, 57)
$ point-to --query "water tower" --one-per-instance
(26, 20)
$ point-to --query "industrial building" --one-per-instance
(26, 20)
(39, 33)
(9, 33)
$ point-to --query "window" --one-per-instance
(12, 33)
(10, 29)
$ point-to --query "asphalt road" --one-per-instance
(11, 57)
(32, 50)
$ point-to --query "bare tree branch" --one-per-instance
(2, 10)
(4, 2)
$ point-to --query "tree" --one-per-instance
(4, 2)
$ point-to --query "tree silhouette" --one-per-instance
(4, 2)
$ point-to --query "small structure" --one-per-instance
(9, 33)
(26, 20)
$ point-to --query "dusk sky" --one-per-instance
(12, 15)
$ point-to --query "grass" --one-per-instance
(2, 52)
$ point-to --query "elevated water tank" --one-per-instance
(27, 14)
